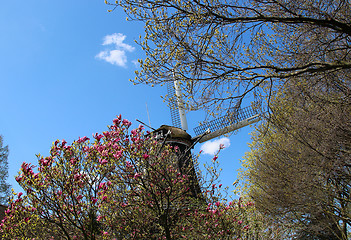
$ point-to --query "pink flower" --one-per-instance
(128, 164)
(240, 222)
(94, 200)
(83, 139)
(104, 198)
(215, 158)
(103, 161)
(59, 192)
(102, 185)
(98, 136)
(36, 175)
(137, 175)
(146, 156)
(105, 233)
(117, 120)
(218, 204)
(19, 194)
(19, 179)
(73, 161)
(134, 132)
(63, 142)
(118, 154)
(79, 197)
(106, 134)
(220, 185)
(126, 123)
(99, 218)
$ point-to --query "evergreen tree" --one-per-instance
(4, 186)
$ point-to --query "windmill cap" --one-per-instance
(175, 132)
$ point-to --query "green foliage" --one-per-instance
(298, 169)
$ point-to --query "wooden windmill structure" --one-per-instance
(176, 135)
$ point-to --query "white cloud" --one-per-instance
(212, 147)
(116, 55)
(136, 63)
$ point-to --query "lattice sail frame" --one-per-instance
(237, 119)
(173, 106)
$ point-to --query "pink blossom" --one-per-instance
(83, 139)
(146, 156)
(126, 123)
(104, 153)
(106, 134)
(99, 218)
(73, 161)
(59, 192)
(118, 154)
(220, 185)
(103, 161)
(117, 120)
(98, 136)
(134, 132)
(240, 222)
(19, 179)
(137, 175)
(102, 185)
(19, 194)
(94, 200)
(218, 204)
(44, 162)
(105, 233)
(128, 164)
(104, 198)
(215, 158)
(79, 197)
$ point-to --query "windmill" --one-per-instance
(176, 135)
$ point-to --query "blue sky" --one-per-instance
(64, 71)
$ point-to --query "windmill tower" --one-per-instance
(176, 135)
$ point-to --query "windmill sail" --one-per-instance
(173, 106)
(176, 105)
(178, 93)
(237, 119)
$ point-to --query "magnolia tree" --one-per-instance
(122, 185)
